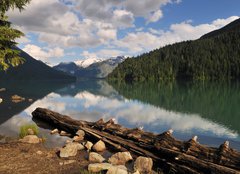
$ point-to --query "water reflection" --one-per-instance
(156, 108)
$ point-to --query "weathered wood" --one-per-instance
(164, 149)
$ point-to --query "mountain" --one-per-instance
(69, 67)
(87, 62)
(214, 56)
(98, 69)
(33, 69)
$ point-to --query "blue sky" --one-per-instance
(70, 30)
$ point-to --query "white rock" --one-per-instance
(88, 145)
(143, 164)
(39, 152)
(95, 157)
(70, 149)
(68, 141)
(1, 100)
(54, 131)
(67, 162)
(31, 139)
(117, 170)
(63, 133)
(30, 131)
(120, 158)
(98, 167)
(80, 133)
(77, 138)
(99, 146)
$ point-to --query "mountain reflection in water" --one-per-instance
(209, 111)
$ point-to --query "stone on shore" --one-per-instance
(95, 157)
(88, 145)
(30, 132)
(67, 162)
(98, 167)
(118, 170)
(78, 138)
(120, 158)
(80, 133)
(70, 149)
(63, 133)
(31, 139)
(54, 131)
(99, 146)
(143, 164)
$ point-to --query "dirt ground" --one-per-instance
(19, 158)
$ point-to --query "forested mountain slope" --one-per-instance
(215, 56)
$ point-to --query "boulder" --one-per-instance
(80, 133)
(95, 157)
(30, 132)
(98, 167)
(88, 145)
(54, 131)
(143, 164)
(70, 149)
(117, 170)
(1, 100)
(120, 158)
(31, 139)
(99, 146)
(77, 138)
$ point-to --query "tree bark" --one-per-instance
(164, 149)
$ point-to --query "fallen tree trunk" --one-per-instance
(167, 152)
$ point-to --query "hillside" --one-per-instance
(215, 56)
(99, 69)
(33, 70)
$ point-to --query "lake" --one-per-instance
(209, 110)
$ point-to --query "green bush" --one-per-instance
(24, 130)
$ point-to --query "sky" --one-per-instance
(70, 30)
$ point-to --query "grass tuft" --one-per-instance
(24, 130)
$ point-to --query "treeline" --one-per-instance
(208, 58)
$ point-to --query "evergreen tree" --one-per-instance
(8, 55)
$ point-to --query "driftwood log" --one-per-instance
(168, 153)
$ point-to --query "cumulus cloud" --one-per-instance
(155, 16)
(43, 54)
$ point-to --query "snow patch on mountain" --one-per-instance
(87, 62)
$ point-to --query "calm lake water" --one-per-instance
(210, 111)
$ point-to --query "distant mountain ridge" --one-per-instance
(87, 62)
(33, 69)
(97, 68)
(215, 56)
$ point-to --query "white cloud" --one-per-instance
(138, 42)
(43, 54)
(155, 16)
(88, 55)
